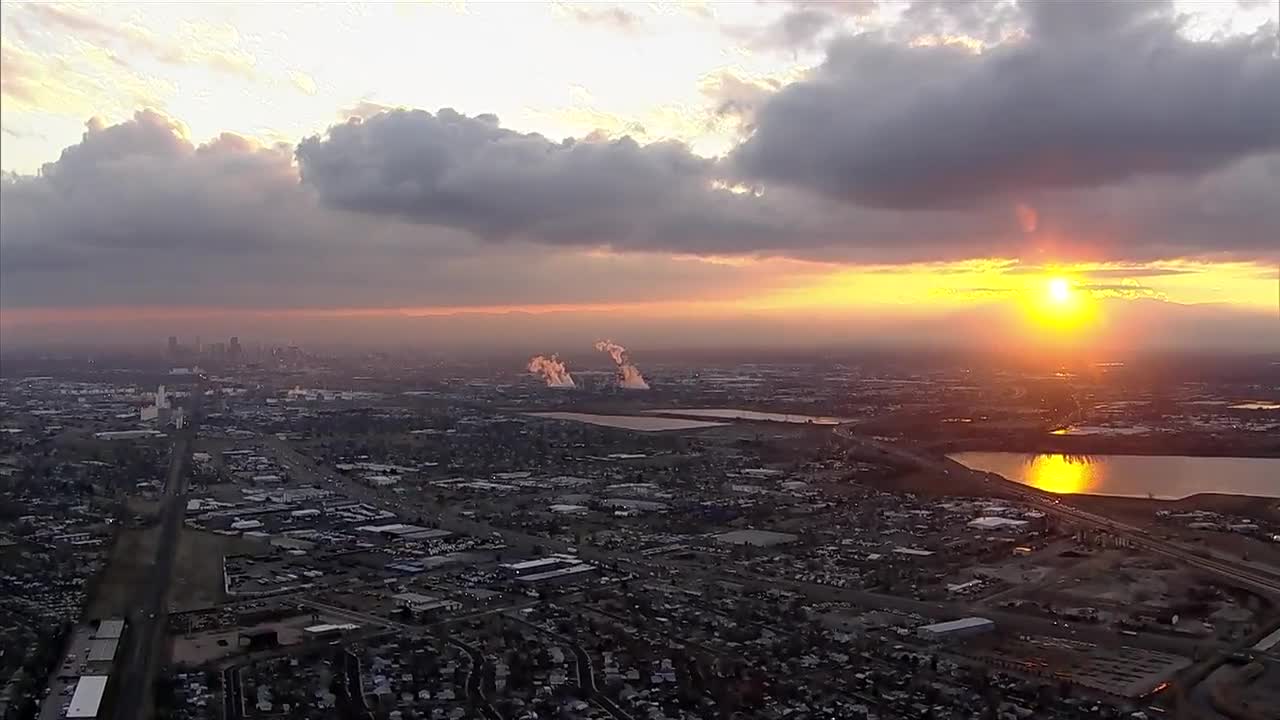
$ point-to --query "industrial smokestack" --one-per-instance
(629, 376)
(552, 371)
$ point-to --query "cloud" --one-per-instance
(739, 95)
(136, 214)
(886, 153)
(411, 208)
(1106, 273)
(214, 48)
(804, 24)
(470, 173)
(21, 73)
(303, 82)
(363, 109)
(88, 80)
(610, 16)
(1127, 290)
(1097, 94)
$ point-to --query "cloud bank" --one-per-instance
(1042, 134)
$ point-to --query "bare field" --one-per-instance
(197, 574)
(128, 568)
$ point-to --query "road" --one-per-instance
(146, 634)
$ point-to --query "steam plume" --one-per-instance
(552, 371)
(629, 376)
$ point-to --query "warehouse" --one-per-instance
(87, 699)
(111, 629)
(565, 574)
(963, 627)
(997, 523)
(538, 565)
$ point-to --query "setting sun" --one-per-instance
(1059, 291)
(1059, 306)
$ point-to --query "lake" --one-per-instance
(641, 423)
(1167, 477)
(730, 414)
(1257, 405)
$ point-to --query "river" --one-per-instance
(1166, 477)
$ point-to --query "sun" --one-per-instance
(1059, 306)
(1059, 291)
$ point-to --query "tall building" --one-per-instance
(233, 349)
(173, 347)
(159, 410)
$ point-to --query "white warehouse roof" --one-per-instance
(87, 697)
(110, 629)
(954, 625)
(993, 523)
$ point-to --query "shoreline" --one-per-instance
(1092, 446)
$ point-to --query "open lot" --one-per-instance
(128, 568)
(197, 580)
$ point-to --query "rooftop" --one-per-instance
(87, 696)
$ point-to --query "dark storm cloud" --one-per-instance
(1098, 93)
(803, 25)
(984, 20)
(136, 214)
(471, 173)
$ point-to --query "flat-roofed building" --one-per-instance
(956, 628)
(997, 523)
(564, 574)
(536, 565)
(111, 628)
(327, 630)
(86, 701)
(102, 650)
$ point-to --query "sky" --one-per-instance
(792, 173)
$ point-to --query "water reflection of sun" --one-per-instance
(1061, 473)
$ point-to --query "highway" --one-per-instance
(146, 633)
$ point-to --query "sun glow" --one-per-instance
(1061, 307)
(1059, 291)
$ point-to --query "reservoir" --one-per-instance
(1166, 477)
(730, 414)
(639, 423)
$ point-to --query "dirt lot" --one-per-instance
(1143, 510)
(197, 580)
(199, 648)
(128, 565)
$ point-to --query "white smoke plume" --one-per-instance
(629, 376)
(552, 371)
